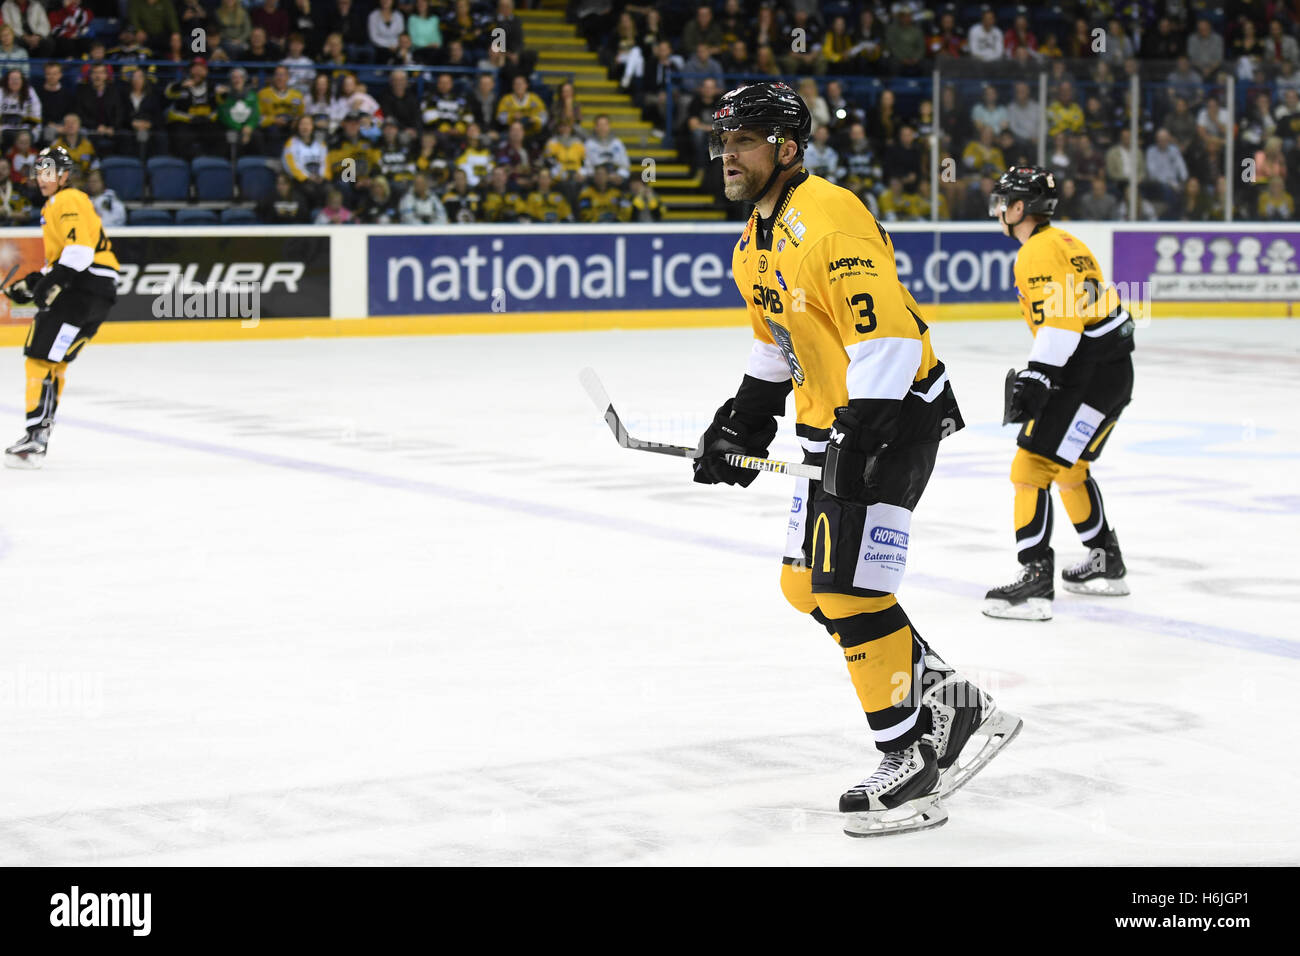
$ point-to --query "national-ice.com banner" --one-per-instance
(539, 271)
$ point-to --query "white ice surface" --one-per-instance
(403, 600)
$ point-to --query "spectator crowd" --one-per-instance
(425, 112)
(391, 111)
(865, 71)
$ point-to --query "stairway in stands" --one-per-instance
(562, 50)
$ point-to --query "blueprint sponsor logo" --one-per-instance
(797, 505)
(1084, 427)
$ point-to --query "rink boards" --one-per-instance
(182, 284)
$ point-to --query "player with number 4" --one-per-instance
(73, 295)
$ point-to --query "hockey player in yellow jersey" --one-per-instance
(1077, 381)
(73, 294)
(833, 324)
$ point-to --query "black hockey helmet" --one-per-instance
(54, 158)
(772, 107)
(1033, 184)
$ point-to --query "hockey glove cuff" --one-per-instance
(1030, 391)
(20, 293)
(47, 289)
(855, 445)
(732, 432)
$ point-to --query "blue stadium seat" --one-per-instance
(124, 175)
(234, 216)
(104, 28)
(256, 180)
(169, 178)
(196, 217)
(148, 217)
(213, 179)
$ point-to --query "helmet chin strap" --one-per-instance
(777, 170)
(1011, 226)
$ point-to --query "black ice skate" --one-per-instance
(1028, 597)
(29, 451)
(967, 727)
(901, 796)
(1101, 572)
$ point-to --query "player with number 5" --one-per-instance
(1067, 399)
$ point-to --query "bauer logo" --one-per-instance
(202, 277)
(796, 505)
(1085, 428)
(889, 536)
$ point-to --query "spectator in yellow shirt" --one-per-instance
(567, 154)
(1064, 115)
(601, 201)
(522, 105)
(546, 203)
(1275, 203)
(280, 106)
(982, 152)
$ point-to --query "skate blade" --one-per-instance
(26, 462)
(923, 813)
(1110, 587)
(1030, 609)
(998, 729)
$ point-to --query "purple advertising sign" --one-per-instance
(1210, 266)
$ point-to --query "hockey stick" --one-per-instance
(591, 382)
(5, 284)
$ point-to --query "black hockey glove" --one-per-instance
(732, 432)
(1029, 392)
(855, 445)
(47, 289)
(21, 291)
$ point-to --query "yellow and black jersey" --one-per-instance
(360, 151)
(1065, 299)
(645, 206)
(530, 111)
(501, 207)
(902, 206)
(272, 104)
(566, 158)
(395, 163)
(547, 207)
(602, 205)
(1276, 208)
(830, 315)
(462, 207)
(74, 237)
(192, 103)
